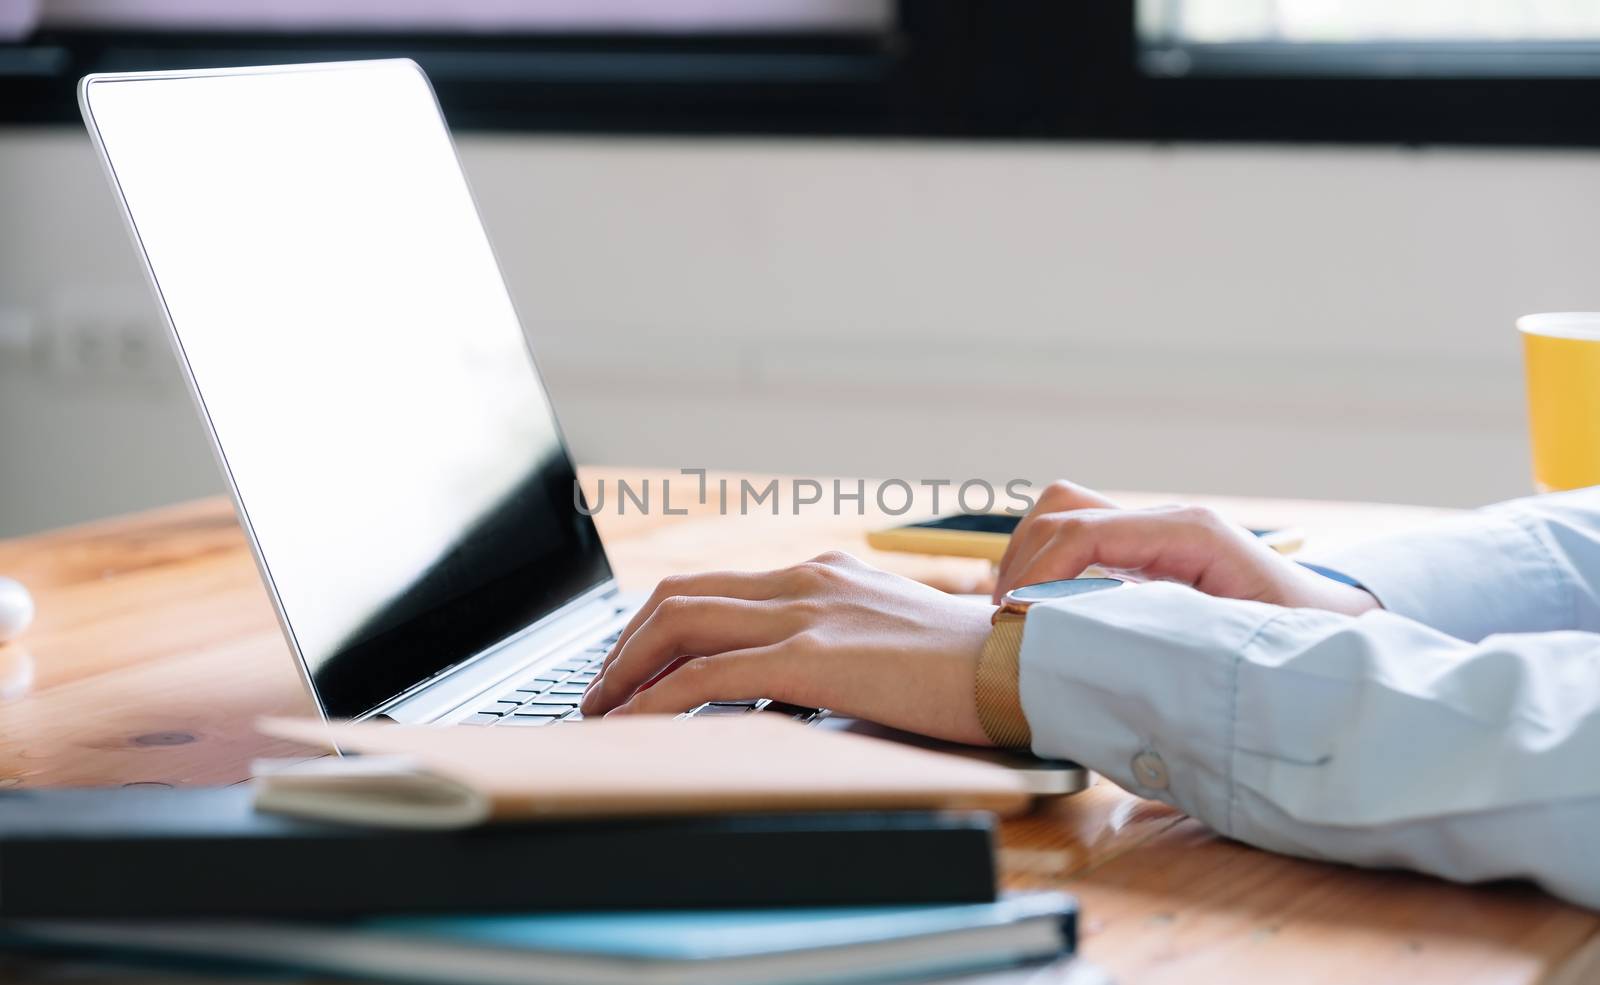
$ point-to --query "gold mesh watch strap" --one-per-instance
(999, 700)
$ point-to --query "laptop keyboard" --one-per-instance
(552, 695)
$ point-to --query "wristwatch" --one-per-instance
(996, 689)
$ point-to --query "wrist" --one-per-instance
(996, 685)
(997, 689)
(1324, 588)
(1354, 601)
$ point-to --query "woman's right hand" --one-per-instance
(1071, 528)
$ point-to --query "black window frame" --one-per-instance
(966, 69)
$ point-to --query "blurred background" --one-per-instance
(1267, 247)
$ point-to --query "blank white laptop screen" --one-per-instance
(355, 350)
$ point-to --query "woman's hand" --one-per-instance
(830, 633)
(1071, 528)
(836, 633)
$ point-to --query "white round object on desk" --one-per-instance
(16, 609)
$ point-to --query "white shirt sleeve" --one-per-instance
(1526, 566)
(1383, 740)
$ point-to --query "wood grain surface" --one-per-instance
(155, 648)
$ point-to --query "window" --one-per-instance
(1385, 71)
(1396, 38)
(1346, 21)
(613, 65)
(477, 16)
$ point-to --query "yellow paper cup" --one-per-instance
(1561, 351)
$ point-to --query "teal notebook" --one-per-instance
(715, 947)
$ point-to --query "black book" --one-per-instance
(113, 852)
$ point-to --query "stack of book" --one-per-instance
(437, 860)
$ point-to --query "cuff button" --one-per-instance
(1150, 770)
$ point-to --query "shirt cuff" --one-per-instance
(1140, 685)
(1468, 576)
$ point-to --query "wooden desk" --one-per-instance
(155, 648)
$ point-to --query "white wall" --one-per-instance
(1311, 322)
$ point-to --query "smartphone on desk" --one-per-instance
(985, 535)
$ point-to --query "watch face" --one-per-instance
(1047, 590)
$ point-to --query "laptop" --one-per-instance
(395, 461)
